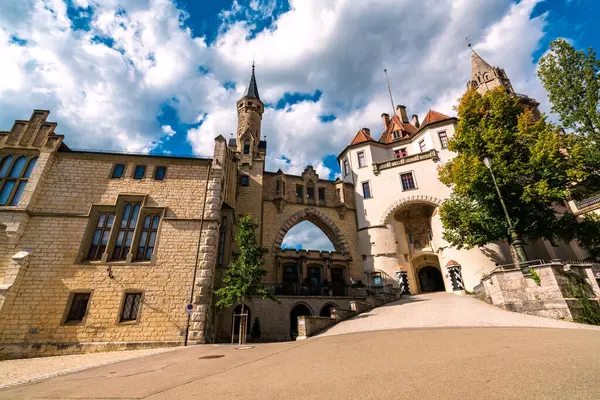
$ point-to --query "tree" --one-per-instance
(572, 79)
(532, 163)
(255, 333)
(242, 281)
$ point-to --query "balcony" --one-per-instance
(427, 155)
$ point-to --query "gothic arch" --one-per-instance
(322, 221)
(434, 201)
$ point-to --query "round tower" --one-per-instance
(250, 110)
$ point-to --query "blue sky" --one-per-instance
(162, 76)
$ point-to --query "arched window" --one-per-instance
(100, 236)
(148, 237)
(125, 233)
(14, 176)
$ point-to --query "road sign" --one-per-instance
(189, 308)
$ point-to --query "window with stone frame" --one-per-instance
(131, 307)
(443, 139)
(278, 187)
(15, 171)
(78, 306)
(321, 194)
(299, 194)
(339, 195)
(246, 147)
(124, 229)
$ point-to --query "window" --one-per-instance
(299, 191)
(443, 139)
(361, 159)
(100, 236)
(117, 171)
(148, 238)
(159, 173)
(247, 147)
(310, 191)
(78, 307)
(422, 145)
(408, 181)
(277, 187)
(125, 231)
(376, 279)
(366, 190)
(245, 180)
(14, 175)
(339, 195)
(400, 153)
(346, 168)
(222, 235)
(140, 171)
(131, 307)
(396, 135)
(322, 194)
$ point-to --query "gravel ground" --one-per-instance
(16, 372)
(439, 310)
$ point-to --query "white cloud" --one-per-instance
(110, 96)
(307, 235)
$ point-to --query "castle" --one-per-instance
(104, 250)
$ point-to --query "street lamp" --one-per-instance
(517, 243)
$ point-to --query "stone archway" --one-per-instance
(434, 201)
(298, 310)
(321, 221)
(430, 279)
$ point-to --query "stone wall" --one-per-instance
(552, 297)
(308, 326)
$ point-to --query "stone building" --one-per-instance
(105, 250)
(398, 195)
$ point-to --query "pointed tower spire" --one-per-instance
(252, 90)
(478, 65)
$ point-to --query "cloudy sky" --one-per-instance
(162, 76)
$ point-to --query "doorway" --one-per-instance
(431, 280)
(298, 311)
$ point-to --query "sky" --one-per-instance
(163, 76)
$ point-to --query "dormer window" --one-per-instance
(249, 103)
(247, 147)
(396, 135)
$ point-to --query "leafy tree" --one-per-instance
(255, 333)
(572, 79)
(532, 164)
(242, 281)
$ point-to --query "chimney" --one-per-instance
(401, 113)
(367, 131)
(415, 119)
(386, 120)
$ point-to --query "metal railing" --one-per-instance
(297, 289)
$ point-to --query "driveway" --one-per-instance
(443, 310)
(453, 363)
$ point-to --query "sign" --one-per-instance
(189, 308)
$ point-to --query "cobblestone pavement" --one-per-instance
(14, 372)
(437, 310)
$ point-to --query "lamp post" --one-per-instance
(517, 243)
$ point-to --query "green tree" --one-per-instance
(242, 281)
(572, 79)
(531, 162)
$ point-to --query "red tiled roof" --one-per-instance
(362, 137)
(396, 125)
(434, 116)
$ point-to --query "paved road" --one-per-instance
(453, 363)
(438, 310)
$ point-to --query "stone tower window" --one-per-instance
(14, 175)
(247, 147)
(339, 195)
(278, 187)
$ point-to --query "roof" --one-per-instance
(252, 90)
(590, 201)
(433, 117)
(478, 64)
(362, 137)
(396, 125)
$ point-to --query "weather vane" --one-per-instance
(469, 44)
(389, 90)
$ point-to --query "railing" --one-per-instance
(297, 289)
(427, 155)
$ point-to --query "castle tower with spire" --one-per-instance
(484, 77)
(249, 110)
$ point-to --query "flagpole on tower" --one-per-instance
(390, 91)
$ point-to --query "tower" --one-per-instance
(249, 110)
(484, 77)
